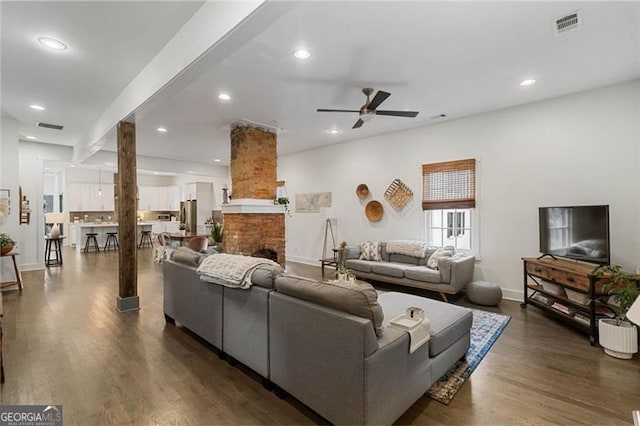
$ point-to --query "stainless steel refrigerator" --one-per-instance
(189, 215)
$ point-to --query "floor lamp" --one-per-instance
(329, 214)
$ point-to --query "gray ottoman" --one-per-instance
(484, 293)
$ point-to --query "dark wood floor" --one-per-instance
(66, 344)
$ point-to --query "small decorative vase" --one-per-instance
(55, 231)
(5, 250)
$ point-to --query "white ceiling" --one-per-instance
(456, 58)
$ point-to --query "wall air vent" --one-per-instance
(568, 22)
(51, 126)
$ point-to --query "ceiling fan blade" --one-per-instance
(410, 114)
(379, 98)
(337, 110)
(358, 124)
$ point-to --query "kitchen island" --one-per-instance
(79, 231)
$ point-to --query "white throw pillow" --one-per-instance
(441, 253)
(370, 250)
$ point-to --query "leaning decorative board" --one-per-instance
(398, 194)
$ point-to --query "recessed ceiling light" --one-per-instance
(161, 130)
(37, 107)
(224, 97)
(217, 160)
(334, 131)
(302, 54)
(528, 82)
(52, 43)
(72, 165)
(31, 137)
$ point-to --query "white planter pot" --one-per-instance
(618, 341)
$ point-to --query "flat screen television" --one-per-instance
(576, 232)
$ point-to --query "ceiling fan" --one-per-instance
(369, 109)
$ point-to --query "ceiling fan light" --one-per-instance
(366, 117)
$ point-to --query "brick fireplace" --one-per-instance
(252, 223)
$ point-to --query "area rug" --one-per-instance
(485, 330)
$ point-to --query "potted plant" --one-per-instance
(6, 244)
(284, 201)
(618, 337)
(217, 232)
(344, 274)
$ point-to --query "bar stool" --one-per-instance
(112, 240)
(145, 239)
(53, 245)
(91, 242)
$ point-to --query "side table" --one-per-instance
(53, 245)
(18, 280)
(330, 261)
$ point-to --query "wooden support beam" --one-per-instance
(128, 299)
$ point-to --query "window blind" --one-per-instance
(449, 185)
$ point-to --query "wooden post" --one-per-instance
(128, 299)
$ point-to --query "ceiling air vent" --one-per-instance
(568, 22)
(51, 126)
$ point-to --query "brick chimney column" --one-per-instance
(251, 221)
(254, 163)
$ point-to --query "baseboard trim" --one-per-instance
(27, 267)
(509, 294)
(304, 260)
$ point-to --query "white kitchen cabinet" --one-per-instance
(100, 198)
(172, 227)
(173, 198)
(157, 227)
(147, 198)
(72, 234)
(79, 197)
(85, 197)
(158, 198)
(168, 198)
(161, 194)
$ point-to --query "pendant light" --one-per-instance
(99, 183)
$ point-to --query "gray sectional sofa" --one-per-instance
(451, 276)
(327, 345)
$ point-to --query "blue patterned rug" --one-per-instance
(485, 330)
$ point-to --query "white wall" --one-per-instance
(218, 182)
(9, 179)
(31, 166)
(577, 149)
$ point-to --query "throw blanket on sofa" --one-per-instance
(407, 247)
(230, 270)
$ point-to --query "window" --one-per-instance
(448, 199)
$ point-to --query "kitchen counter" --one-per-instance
(104, 224)
(80, 230)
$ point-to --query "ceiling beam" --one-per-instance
(214, 32)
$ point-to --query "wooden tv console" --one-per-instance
(546, 280)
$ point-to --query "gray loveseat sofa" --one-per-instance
(327, 346)
(451, 276)
(233, 320)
